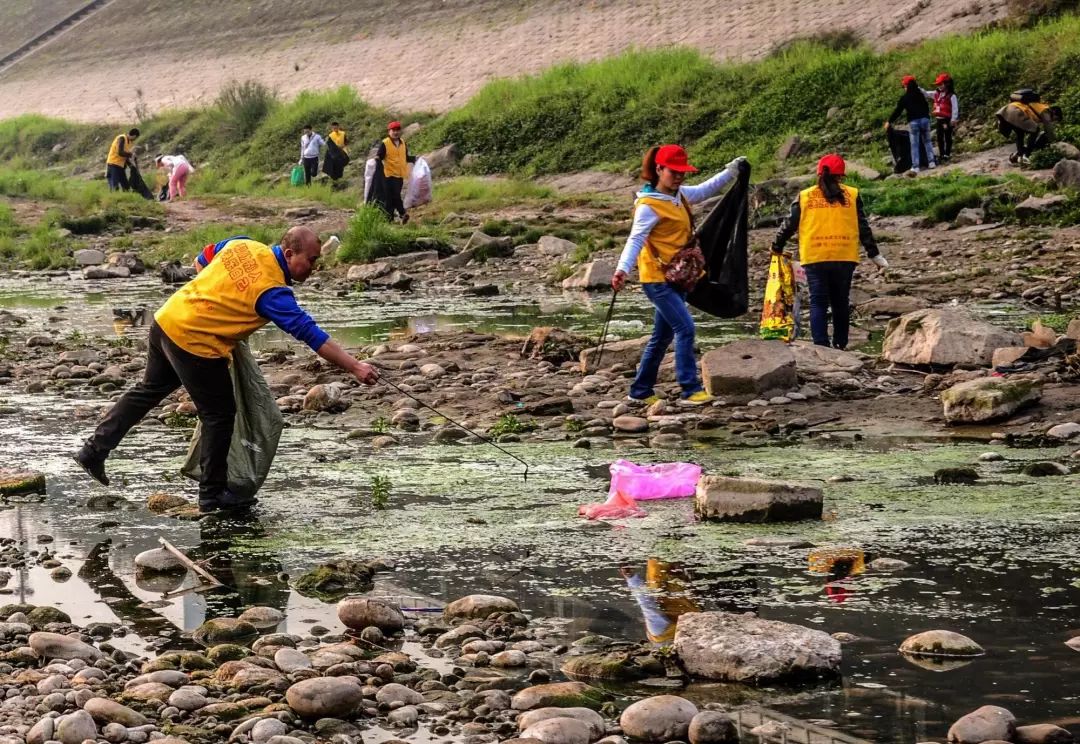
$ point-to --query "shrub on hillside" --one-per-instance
(244, 106)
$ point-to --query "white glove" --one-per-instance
(880, 262)
(734, 164)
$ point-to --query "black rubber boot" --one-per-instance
(93, 464)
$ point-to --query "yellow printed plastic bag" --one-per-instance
(778, 311)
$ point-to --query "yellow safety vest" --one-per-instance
(115, 158)
(209, 314)
(827, 231)
(667, 237)
(339, 139)
(394, 164)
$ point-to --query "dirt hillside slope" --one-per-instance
(415, 54)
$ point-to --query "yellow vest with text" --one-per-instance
(394, 164)
(115, 158)
(339, 139)
(827, 231)
(667, 237)
(209, 314)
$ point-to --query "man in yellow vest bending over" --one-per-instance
(395, 157)
(244, 285)
(121, 152)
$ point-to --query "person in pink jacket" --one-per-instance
(179, 169)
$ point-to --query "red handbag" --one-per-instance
(687, 266)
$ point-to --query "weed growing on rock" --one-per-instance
(508, 423)
(380, 491)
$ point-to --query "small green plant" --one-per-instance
(1045, 158)
(371, 236)
(380, 491)
(508, 423)
(574, 425)
(74, 336)
(381, 425)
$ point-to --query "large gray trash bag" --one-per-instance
(256, 432)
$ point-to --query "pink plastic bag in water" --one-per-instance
(617, 506)
(665, 480)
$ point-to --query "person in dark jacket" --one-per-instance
(913, 104)
(831, 223)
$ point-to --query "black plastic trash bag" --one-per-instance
(256, 432)
(724, 291)
(900, 147)
(137, 184)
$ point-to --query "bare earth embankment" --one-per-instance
(413, 55)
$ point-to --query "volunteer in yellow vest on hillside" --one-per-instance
(337, 152)
(662, 226)
(831, 223)
(1030, 120)
(242, 286)
(393, 154)
(121, 152)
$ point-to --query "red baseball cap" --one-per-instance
(834, 163)
(394, 125)
(942, 78)
(674, 158)
(906, 80)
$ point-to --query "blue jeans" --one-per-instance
(830, 287)
(920, 135)
(673, 321)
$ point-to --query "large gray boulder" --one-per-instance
(988, 399)
(321, 697)
(713, 727)
(56, 646)
(592, 275)
(988, 723)
(944, 337)
(749, 367)
(626, 353)
(593, 720)
(358, 613)
(658, 719)
(744, 648)
(812, 360)
(561, 730)
(729, 499)
(479, 606)
(941, 643)
(1067, 174)
(75, 728)
(558, 695)
(1043, 733)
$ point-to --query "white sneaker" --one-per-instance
(933, 165)
(914, 171)
(1025, 160)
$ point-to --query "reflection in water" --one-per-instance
(662, 595)
(839, 564)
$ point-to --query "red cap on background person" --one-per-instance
(394, 125)
(942, 78)
(673, 157)
(834, 163)
(907, 80)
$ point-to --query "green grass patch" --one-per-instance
(470, 193)
(371, 236)
(938, 197)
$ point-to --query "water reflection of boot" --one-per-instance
(250, 578)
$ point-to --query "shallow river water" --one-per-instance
(998, 561)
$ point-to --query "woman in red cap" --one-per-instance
(662, 226)
(946, 110)
(913, 104)
(393, 154)
(831, 223)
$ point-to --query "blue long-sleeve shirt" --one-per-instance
(278, 304)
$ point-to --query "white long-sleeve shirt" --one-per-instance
(311, 144)
(646, 218)
(954, 103)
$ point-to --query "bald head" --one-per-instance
(302, 250)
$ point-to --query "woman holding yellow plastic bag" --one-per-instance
(831, 223)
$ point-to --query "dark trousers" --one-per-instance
(830, 289)
(117, 178)
(207, 380)
(394, 185)
(311, 169)
(944, 137)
